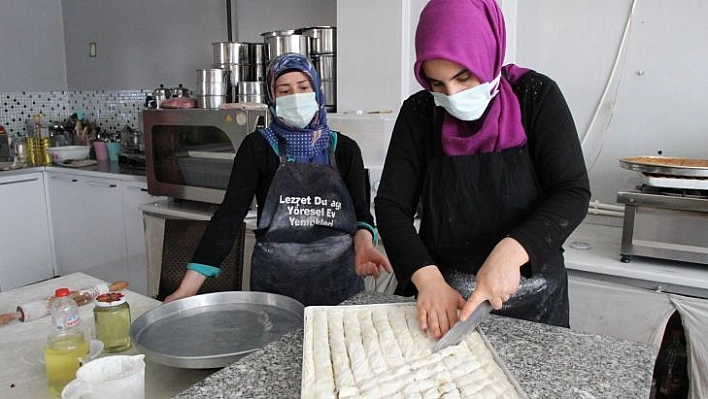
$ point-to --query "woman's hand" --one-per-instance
(499, 276)
(437, 301)
(189, 286)
(368, 261)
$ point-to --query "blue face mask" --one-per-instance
(296, 109)
(470, 104)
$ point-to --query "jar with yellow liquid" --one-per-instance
(64, 354)
(112, 317)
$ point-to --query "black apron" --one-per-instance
(304, 241)
(460, 227)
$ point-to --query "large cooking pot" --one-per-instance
(212, 82)
(239, 53)
(285, 41)
(324, 39)
(250, 92)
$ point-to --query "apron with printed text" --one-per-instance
(492, 193)
(304, 242)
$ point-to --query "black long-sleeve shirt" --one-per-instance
(555, 152)
(254, 166)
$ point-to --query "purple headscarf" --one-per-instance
(472, 34)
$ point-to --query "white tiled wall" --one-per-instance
(111, 110)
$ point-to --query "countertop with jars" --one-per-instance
(547, 361)
(22, 344)
(100, 169)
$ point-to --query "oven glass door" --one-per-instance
(197, 156)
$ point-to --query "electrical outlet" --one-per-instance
(92, 49)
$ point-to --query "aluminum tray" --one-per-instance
(307, 388)
(214, 330)
(682, 167)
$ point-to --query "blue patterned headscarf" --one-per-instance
(299, 143)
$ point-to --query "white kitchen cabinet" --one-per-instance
(25, 246)
(88, 225)
(135, 194)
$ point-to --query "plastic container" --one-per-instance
(112, 317)
(61, 154)
(65, 310)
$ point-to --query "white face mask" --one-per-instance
(296, 109)
(469, 104)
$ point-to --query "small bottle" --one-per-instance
(65, 310)
(112, 317)
(67, 346)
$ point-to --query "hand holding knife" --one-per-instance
(463, 327)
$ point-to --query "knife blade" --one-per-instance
(458, 332)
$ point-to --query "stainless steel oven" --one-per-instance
(189, 152)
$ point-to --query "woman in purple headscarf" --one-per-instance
(315, 236)
(489, 157)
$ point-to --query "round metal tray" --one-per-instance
(681, 167)
(214, 330)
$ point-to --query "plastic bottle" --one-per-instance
(67, 347)
(65, 310)
(673, 381)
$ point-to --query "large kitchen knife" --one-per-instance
(458, 332)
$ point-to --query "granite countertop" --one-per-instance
(547, 361)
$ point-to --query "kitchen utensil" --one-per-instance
(117, 377)
(100, 150)
(179, 91)
(250, 92)
(61, 154)
(113, 149)
(212, 82)
(529, 288)
(209, 102)
(286, 41)
(239, 53)
(324, 39)
(40, 307)
(682, 167)
(214, 330)
(458, 332)
(161, 94)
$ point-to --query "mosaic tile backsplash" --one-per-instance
(111, 110)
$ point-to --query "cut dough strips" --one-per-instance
(380, 352)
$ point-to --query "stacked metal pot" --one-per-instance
(323, 53)
(237, 74)
(319, 44)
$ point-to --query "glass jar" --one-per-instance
(112, 317)
(64, 353)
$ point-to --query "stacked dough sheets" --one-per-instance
(378, 351)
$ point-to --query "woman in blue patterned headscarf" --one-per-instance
(315, 236)
(308, 143)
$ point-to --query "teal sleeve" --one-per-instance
(372, 230)
(205, 270)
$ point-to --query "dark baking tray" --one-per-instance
(214, 330)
